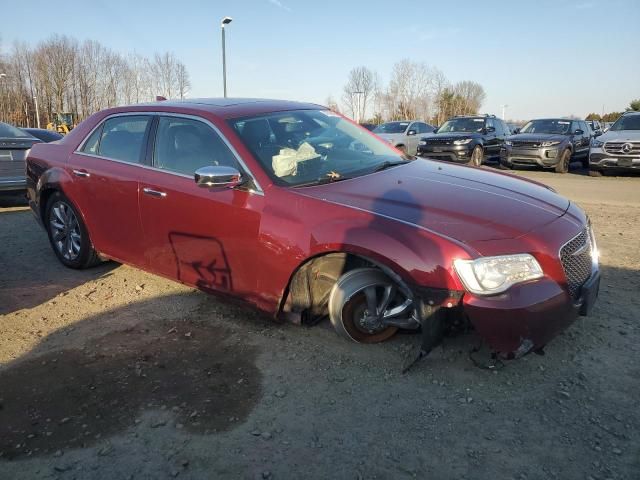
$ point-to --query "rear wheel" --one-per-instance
(360, 302)
(476, 156)
(563, 164)
(68, 234)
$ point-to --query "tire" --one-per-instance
(68, 234)
(348, 305)
(596, 173)
(402, 148)
(476, 156)
(564, 162)
(505, 166)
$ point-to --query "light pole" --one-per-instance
(358, 93)
(35, 101)
(225, 21)
(2, 77)
(504, 108)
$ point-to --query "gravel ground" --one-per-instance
(115, 373)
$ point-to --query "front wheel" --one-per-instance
(476, 156)
(68, 234)
(563, 164)
(361, 301)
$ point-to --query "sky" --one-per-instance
(542, 58)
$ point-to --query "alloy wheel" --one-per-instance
(65, 230)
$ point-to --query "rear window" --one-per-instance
(9, 131)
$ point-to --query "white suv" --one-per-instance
(619, 148)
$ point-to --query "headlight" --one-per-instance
(550, 143)
(464, 141)
(596, 143)
(422, 142)
(491, 275)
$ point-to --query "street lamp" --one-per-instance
(225, 21)
(357, 94)
(504, 108)
(2, 77)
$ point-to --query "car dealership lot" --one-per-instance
(115, 373)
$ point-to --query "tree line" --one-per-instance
(61, 74)
(416, 90)
(634, 105)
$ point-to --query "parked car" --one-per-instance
(619, 148)
(596, 126)
(43, 134)
(513, 128)
(466, 139)
(549, 143)
(369, 126)
(297, 211)
(403, 135)
(14, 147)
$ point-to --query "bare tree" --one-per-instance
(359, 92)
(408, 94)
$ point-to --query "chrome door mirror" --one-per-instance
(218, 177)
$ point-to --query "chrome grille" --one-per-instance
(622, 148)
(577, 262)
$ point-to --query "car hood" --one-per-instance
(620, 136)
(455, 135)
(463, 203)
(542, 137)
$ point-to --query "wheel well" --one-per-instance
(45, 195)
(307, 294)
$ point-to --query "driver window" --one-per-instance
(184, 145)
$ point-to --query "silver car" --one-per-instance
(404, 135)
(618, 149)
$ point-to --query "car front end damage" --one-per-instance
(525, 316)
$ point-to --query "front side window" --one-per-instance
(184, 145)
(305, 147)
(121, 138)
(471, 125)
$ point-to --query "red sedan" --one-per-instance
(304, 214)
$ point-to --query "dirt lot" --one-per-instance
(115, 373)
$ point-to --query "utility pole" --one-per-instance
(504, 108)
(35, 101)
(357, 115)
(225, 21)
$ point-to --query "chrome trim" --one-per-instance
(81, 173)
(258, 190)
(154, 193)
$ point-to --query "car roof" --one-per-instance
(221, 107)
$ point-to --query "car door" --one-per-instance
(577, 138)
(202, 237)
(491, 146)
(105, 170)
(412, 140)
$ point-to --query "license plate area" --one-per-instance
(625, 162)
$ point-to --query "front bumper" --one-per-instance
(528, 316)
(599, 160)
(13, 184)
(541, 156)
(450, 153)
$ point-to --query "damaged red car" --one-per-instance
(303, 214)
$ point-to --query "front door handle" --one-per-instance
(154, 193)
(81, 173)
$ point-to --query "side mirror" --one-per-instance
(411, 132)
(218, 177)
(579, 131)
(490, 129)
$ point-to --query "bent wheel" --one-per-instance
(361, 301)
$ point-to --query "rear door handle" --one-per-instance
(154, 193)
(81, 173)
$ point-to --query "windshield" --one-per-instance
(558, 127)
(627, 122)
(306, 147)
(392, 127)
(462, 125)
(9, 131)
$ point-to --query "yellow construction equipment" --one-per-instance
(62, 122)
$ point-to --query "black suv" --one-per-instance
(549, 143)
(466, 139)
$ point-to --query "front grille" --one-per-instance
(577, 262)
(439, 141)
(525, 144)
(622, 148)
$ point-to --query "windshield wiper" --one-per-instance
(389, 164)
(322, 181)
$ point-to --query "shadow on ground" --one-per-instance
(189, 372)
